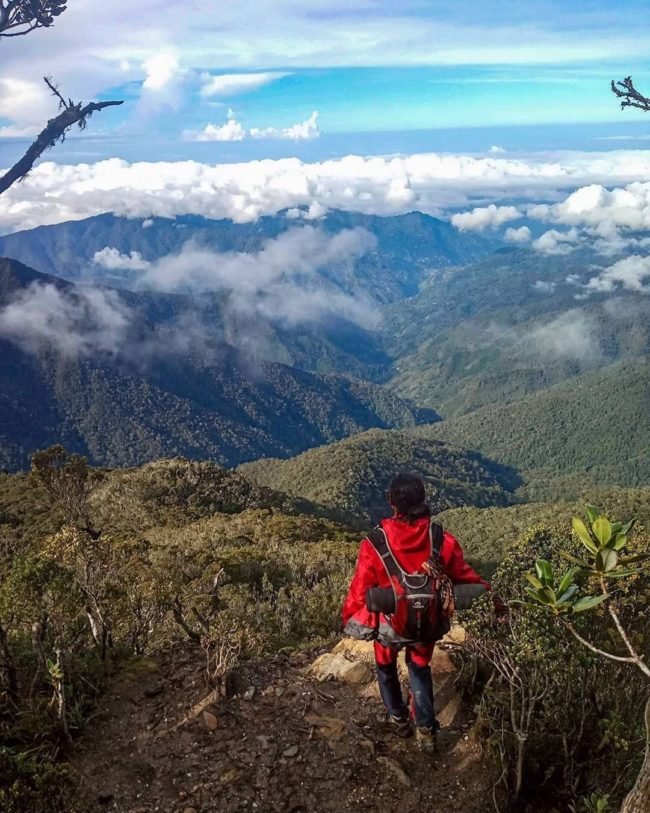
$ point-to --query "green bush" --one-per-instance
(556, 717)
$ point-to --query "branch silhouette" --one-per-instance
(629, 95)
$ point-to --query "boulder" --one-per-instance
(335, 666)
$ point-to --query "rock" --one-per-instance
(104, 797)
(396, 769)
(210, 720)
(356, 650)
(153, 691)
(456, 635)
(291, 751)
(330, 727)
(189, 810)
(335, 666)
(249, 694)
(264, 741)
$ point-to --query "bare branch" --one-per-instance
(54, 131)
(630, 96)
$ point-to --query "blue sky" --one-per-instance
(231, 83)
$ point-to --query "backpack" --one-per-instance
(423, 602)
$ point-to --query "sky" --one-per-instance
(237, 110)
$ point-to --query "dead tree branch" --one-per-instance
(630, 96)
(71, 114)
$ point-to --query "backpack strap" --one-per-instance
(437, 536)
(378, 539)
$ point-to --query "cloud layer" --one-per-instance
(431, 183)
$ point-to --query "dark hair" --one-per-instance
(407, 494)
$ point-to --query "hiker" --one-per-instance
(405, 553)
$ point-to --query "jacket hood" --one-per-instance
(408, 536)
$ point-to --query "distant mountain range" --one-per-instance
(524, 355)
(407, 247)
(155, 395)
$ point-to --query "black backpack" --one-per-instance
(414, 607)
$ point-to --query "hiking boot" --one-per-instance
(400, 726)
(425, 739)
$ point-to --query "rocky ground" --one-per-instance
(299, 735)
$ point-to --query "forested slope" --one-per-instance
(595, 425)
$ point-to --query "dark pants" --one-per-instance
(418, 660)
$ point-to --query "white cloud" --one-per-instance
(496, 150)
(557, 242)
(520, 235)
(27, 105)
(483, 217)
(544, 287)
(280, 282)
(426, 182)
(234, 84)
(164, 84)
(232, 130)
(77, 322)
(631, 273)
(305, 131)
(572, 335)
(112, 259)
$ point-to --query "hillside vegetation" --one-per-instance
(596, 424)
(496, 331)
(352, 475)
(148, 399)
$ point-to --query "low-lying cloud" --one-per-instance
(572, 335)
(79, 322)
(112, 259)
(485, 217)
(631, 274)
(280, 282)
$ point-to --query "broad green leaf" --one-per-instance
(580, 529)
(628, 526)
(606, 560)
(544, 571)
(617, 527)
(602, 529)
(620, 541)
(588, 602)
(566, 580)
(534, 581)
(568, 594)
(592, 512)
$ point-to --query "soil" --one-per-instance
(284, 742)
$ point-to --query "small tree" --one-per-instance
(586, 585)
(20, 17)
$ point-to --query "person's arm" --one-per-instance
(453, 559)
(363, 578)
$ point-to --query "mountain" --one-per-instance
(406, 247)
(93, 370)
(515, 323)
(352, 476)
(595, 427)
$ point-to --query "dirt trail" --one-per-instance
(286, 742)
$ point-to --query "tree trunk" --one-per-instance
(638, 799)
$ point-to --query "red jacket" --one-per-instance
(410, 544)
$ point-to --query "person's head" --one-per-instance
(407, 497)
